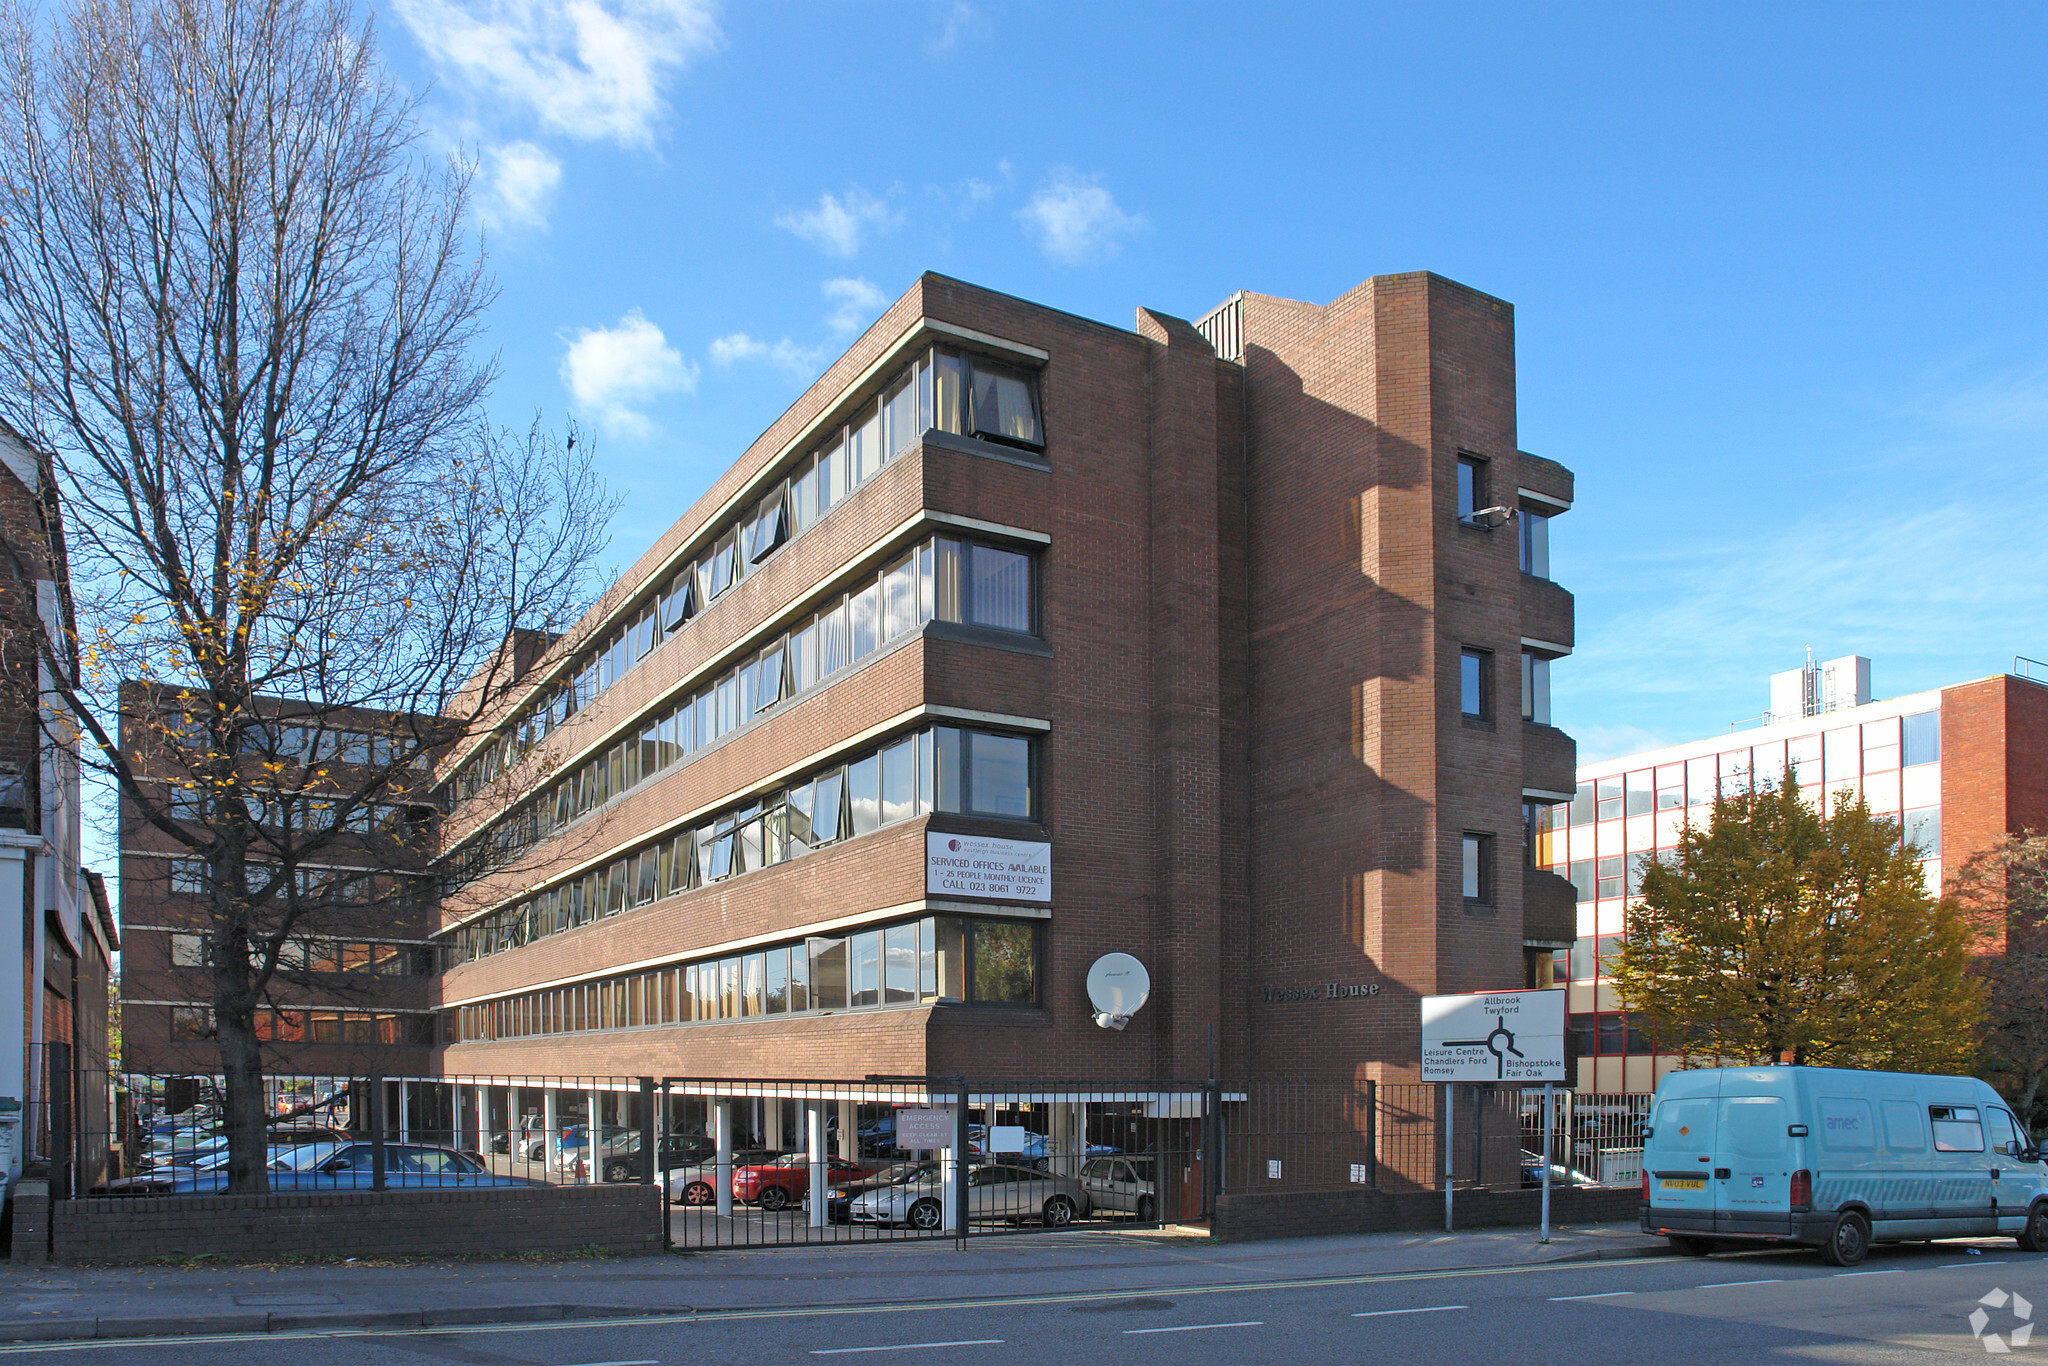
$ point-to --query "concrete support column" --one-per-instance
(483, 1119)
(849, 1140)
(814, 1147)
(771, 1124)
(1065, 1144)
(721, 1170)
(405, 1111)
(551, 1131)
(593, 1102)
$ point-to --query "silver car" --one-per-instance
(993, 1192)
(1122, 1183)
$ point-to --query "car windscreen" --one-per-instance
(301, 1158)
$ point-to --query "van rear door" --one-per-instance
(1678, 1158)
(1752, 1180)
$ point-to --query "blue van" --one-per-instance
(1834, 1159)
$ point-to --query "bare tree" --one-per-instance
(239, 313)
(2005, 891)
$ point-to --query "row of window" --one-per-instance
(938, 958)
(302, 744)
(335, 956)
(965, 395)
(1622, 874)
(946, 769)
(1475, 685)
(1607, 1034)
(335, 886)
(1836, 756)
(941, 579)
(279, 1025)
(297, 811)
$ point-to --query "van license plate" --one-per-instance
(1672, 1183)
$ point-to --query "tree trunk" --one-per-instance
(246, 1119)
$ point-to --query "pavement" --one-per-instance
(43, 1303)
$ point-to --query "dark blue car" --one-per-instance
(348, 1166)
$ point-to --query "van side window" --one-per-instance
(2004, 1139)
(1845, 1125)
(1956, 1129)
(1903, 1131)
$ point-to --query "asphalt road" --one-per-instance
(1903, 1305)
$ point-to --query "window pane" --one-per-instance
(866, 607)
(946, 758)
(1922, 831)
(927, 959)
(803, 654)
(899, 413)
(754, 988)
(828, 820)
(999, 588)
(1535, 543)
(1471, 488)
(775, 999)
(832, 655)
(800, 817)
(1923, 738)
(949, 393)
(952, 958)
(899, 782)
(864, 968)
(864, 445)
(1003, 404)
(864, 794)
(899, 964)
(800, 979)
(1641, 794)
(1472, 683)
(946, 580)
(999, 769)
(899, 596)
(1005, 964)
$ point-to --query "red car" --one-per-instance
(783, 1182)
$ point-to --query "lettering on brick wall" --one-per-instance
(1325, 991)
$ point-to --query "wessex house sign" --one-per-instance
(1322, 991)
(1005, 870)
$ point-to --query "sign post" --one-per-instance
(1494, 1036)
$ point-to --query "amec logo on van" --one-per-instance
(1845, 1121)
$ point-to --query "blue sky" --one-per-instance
(1778, 270)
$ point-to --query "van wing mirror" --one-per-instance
(2028, 1153)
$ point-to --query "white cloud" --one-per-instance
(522, 182)
(836, 225)
(960, 24)
(783, 355)
(1075, 220)
(609, 370)
(592, 69)
(855, 302)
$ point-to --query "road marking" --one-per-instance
(1723, 1285)
(650, 1361)
(1603, 1295)
(1429, 1309)
(755, 1315)
(1951, 1266)
(1895, 1271)
(907, 1346)
(1198, 1327)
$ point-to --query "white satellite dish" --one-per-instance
(1117, 985)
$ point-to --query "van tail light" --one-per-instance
(1802, 1189)
(1646, 1188)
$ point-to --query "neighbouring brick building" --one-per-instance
(1956, 767)
(56, 931)
(1021, 639)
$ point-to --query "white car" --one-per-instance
(993, 1192)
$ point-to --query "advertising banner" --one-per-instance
(974, 866)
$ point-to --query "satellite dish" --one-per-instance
(1117, 985)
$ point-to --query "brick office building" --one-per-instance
(1956, 767)
(354, 990)
(1205, 640)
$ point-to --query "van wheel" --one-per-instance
(1850, 1242)
(1692, 1247)
(2034, 1237)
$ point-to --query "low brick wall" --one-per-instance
(1301, 1214)
(623, 1218)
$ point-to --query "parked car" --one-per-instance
(839, 1199)
(1836, 1160)
(995, 1191)
(160, 1177)
(1126, 1184)
(693, 1185)
(350, 1166)
(575, 1144)
(622, 1162)
(1560, 1175)
(781, 1183)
